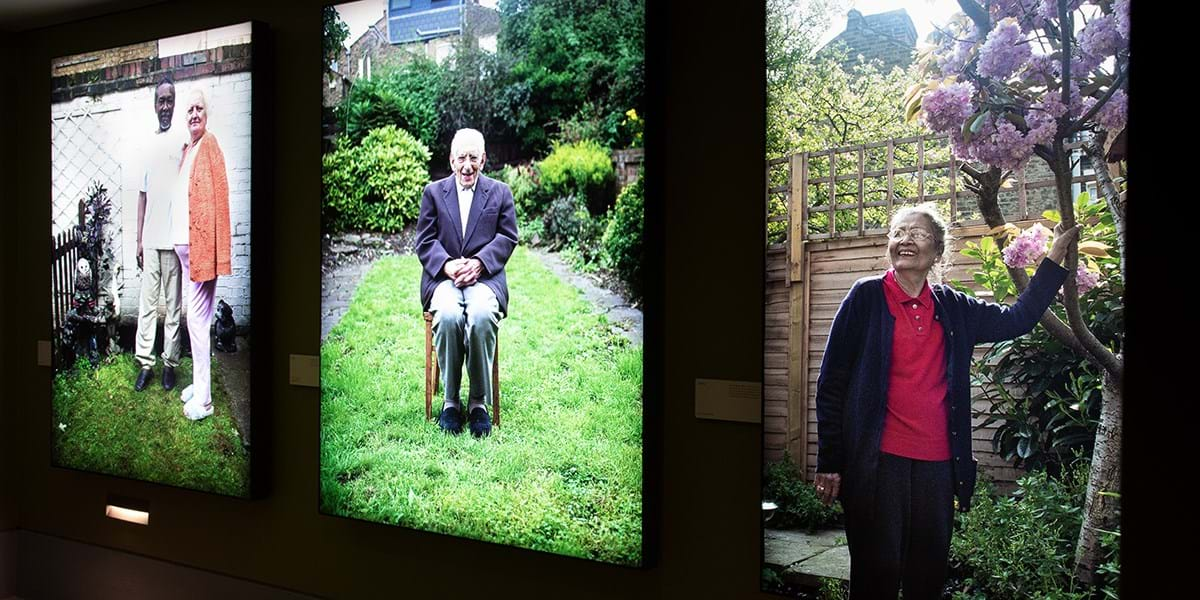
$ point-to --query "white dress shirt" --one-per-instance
(465, 197)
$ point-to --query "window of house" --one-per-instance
(400, 4)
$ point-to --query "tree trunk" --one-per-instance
(1099, 511)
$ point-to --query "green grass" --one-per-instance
(563, 473)
(102, 425)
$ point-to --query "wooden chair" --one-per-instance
(433, 377)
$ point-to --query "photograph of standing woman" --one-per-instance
(894, 405)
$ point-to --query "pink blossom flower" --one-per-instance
(944, 109)
(1121, 13)
(1004, 51)
(1101, 38)
(1086, 280)
(1027, 247)
(1114, 112)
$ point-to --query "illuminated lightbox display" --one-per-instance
(150, 260)
(471, 172)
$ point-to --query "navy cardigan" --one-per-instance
(852, 387)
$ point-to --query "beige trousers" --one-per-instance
(160, 278)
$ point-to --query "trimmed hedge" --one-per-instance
(376, 185)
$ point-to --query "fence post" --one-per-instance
(797, 413)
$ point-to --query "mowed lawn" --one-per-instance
(563, 472)
(102, 425)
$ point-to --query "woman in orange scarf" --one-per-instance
(200, 232)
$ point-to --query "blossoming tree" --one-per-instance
(1014, 80)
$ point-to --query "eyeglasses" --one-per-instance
(918, 235)
(467, 158)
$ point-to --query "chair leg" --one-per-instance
(496, 383)
(430, 367)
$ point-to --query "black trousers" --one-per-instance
(902, 536)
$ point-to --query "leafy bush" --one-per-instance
(524, 181)
(406, 96)
(1022, 546)
(1046, 398)
(376, 185)
(583, 169)
(799, 506)
(622, 242)
(568, 225)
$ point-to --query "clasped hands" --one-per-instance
(463, 271)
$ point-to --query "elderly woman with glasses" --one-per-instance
(894, 405)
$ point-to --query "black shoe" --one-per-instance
(143, 379)
(168, 378)
(451, 420)
(480, 422)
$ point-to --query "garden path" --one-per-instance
(803, 559)
(347, 258)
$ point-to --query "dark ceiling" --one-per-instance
(23, 15)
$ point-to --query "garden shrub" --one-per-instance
(799, 506)
(567, 225)
(376, 185)
(624, 252)
(406, 96)
(1022, 546)
(583, 169)
(523, 180)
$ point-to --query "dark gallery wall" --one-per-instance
(705, 138)
(8, 498)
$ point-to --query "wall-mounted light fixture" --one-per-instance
(132, 510)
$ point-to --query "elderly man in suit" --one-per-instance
(466, 231)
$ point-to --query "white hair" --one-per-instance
(466, 138)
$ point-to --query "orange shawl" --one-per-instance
(208, 213)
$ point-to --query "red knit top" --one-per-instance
(917, 421)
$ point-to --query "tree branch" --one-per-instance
(1112, 89)
(1066, 208)
(1112, 197)
(978, 14)
(989, 206)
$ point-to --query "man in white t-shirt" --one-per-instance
(155, 253)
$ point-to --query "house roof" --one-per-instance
(889, 37)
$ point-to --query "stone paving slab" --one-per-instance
(806, 558)
(624, 319)
(786, 547)
(832, 563)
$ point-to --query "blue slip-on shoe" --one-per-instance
(450, 420)
(480, 422)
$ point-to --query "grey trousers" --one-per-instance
(465, 322)
(160, 275)
(902, 539)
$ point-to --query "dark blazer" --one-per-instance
(853, 384)
(491, 234)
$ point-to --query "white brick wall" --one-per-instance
(99, 138)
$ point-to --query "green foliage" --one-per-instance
(799, 506)
(583, 169)
(102, 425)
(524, 181)
(566, 53)
(834, 589)
(407, 97)
(471, 94)
(623, 246)
(813, 101)
(1021, 546)
(1044, 396)
(376, 185)
(562, 474)
(335, 34)
(567, 224)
